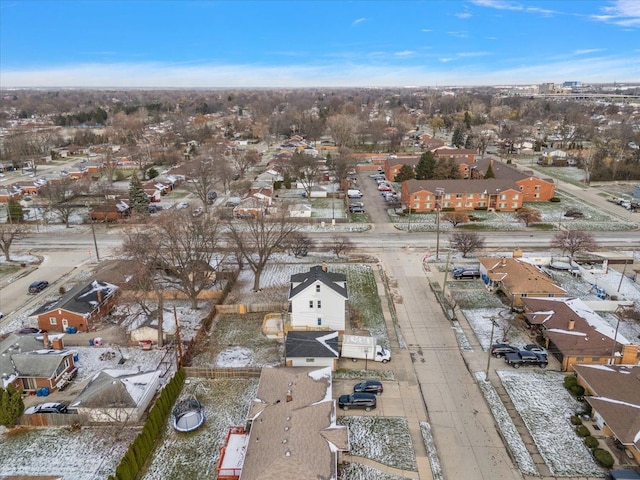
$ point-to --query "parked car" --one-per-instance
(37, 287)
(385, 188)
(526, 358)
(535, 348)
(182, 205)
(367, 401)
(369, 386)
(29, 330)
(500, 349)
(466, 272)
(211, 196)
(51, 407)
(357, 204)
(356, 209)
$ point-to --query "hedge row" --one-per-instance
(140, 449)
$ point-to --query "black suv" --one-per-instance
(370, 386)
(526, 358)
(466, 272)
(501, 349)
(357, 400)
(37, 287)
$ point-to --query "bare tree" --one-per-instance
(343, 129)
(258, 238)
(466, 242)
(298, 243)
(573, 241)
(306, 170)
(340, 244)
(202, 176)
(109, 165)
(10, 232)
(63, 196)
(244, 159)
(181, 248)
(528, 215)
(455, 218)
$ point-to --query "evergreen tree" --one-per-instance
(11, 406)
(490, 173)
(426, 166)
(467, 120)
(139, 200)
(16, 213)
(457, 139)
(405, 173)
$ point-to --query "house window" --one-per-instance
(318, 288)
(310, 360)
(458, 195)
(524, 295)
(319, 304)
(536, 195)
(53, 321)
(319, 321)
(537, 187)
(514, 205)
(515, 197)
(311, 304)
(579, 359)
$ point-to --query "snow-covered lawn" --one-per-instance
(546, 407)
(383, 439)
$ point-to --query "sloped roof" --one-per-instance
(302, 281)
(504, 171)
(81, 299)
(589, 334)
(490, 185)
(320, 344)
(294, 434)
(116, 389)
(519, 276)
(24, 356)
(616, 397)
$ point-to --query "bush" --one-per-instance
(576, 420)
(570, 381)
(577, 390)
(582, 431)
(591, 442)
(554, 199)
(603, 457)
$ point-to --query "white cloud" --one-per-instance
(625, 13)
(458, 34)
(358, 21)
(426, 30)
(446, 70)
(404, 53)
(587, 51)
(463, 15)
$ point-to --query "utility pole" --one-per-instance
(95, 242)
(486, 374)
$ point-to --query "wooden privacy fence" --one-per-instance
(252, 307)
(208, 372)
(53, 419)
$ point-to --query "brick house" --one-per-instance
(613, 393)
(29, 363)
(461, 195)
(517, 279)
(575, 334)
(81, 307)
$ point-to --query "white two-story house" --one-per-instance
(318, 300)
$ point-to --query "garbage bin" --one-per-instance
(91, 342)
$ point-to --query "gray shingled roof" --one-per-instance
(301, 281)
(321, 344)
(26, 356)
(82, 299)
(293, 434)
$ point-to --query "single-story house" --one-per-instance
(81, 307)
(320, 349)
(31, 362)
(518, 279)
(575, 334)
(117, 395)
(613, 392)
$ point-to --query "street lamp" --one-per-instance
(486, 374)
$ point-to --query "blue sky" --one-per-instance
(127, 43)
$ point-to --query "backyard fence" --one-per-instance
(209, 372)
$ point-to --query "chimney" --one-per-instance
(289, 396)
(517, 253)
(324, 266)
(503, 263)
(99, 294)
(45, 339)
(629, 354)
(572, 324)
(58, 344)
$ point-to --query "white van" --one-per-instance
(354, 193)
